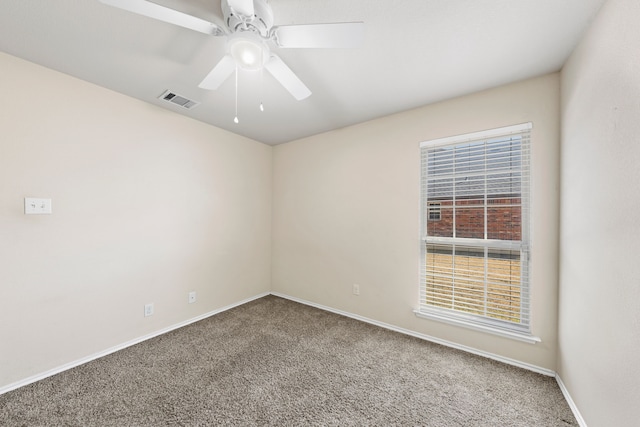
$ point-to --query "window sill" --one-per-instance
(520, 336)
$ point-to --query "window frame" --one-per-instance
(520, 331)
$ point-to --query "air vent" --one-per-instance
(179, 100)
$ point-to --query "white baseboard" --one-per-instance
(425, 337)
(122, 346)
(572, 404)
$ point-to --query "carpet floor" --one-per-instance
(279, 363)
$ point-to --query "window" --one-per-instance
(434, 211)
(475, 247)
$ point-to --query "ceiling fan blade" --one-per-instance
(337, 35)
(287, 78)
(161, 13)
(219, 74)
(243, 7)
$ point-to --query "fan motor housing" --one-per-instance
(261, 21)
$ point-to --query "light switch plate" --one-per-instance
(35, 206)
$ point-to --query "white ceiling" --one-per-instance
(416, 52)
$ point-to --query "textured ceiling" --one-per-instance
(416, 52)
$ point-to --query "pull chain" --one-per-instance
(261, 88)
(261, 81)
(235, 120)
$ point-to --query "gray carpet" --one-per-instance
(279, 363)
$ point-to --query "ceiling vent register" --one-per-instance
(179, 100)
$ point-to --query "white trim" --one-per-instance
(122, 346)
(474, 136)
(525, 337)
(508, 361)
(514, 245)
(570, 402)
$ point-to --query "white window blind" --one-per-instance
(475, 252)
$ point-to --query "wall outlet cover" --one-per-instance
(148, 309)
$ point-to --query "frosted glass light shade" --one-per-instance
(249, 51)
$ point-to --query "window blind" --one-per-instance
(475, 252)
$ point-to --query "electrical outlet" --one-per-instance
(356, 289)
(192, 297)
(148, 309)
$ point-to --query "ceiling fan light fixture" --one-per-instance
(249, 51)
(249, 30)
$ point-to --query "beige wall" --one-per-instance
(346, 210)
(147, 206)
(599, 326)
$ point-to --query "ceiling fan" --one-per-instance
(248, 27)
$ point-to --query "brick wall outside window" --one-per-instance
(503, 218)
